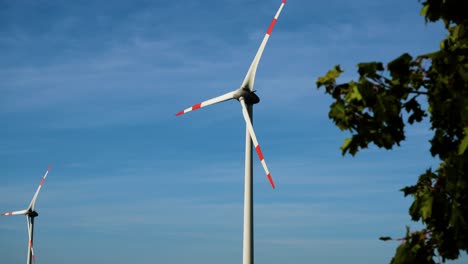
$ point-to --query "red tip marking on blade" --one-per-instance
(272, 25)
(284, 1)
(42, 182)
(180, 113)
(271, 180)
(259, 152)
(50, 167)
(195, 107)
(30, 243)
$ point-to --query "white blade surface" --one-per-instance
(248, 122)
(250, 76)
(33, 201)
(33, 255)
(215, 100)
(22, 212)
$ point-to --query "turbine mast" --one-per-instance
(248, 246)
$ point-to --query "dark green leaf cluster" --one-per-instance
(415, 249)
(376, 108)
(449, 11)
(371, 108)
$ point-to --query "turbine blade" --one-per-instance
(248, 122)
(215, 100)
(22, 212)
(33, 201)
(33, 256)
(250, 76)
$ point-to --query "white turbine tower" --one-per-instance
(30, 214)
(247, 98)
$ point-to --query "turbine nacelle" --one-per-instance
(32, 214)
(250, 97)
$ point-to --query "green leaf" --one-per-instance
(369, 68)
(400, 67)
(345, 145)
(442, 45)
(409, 190)
(424, 10)
(455, 32)
(403, 255)
(426, 206)
(353, 93)
(330, 77)
(464, 143)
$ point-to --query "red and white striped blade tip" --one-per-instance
(249, 78)
(32, 252)
(45, 175)
(272, 24)
(253, 137)
(15, 213)
(271, 181)
(194, 107)
(262, 160)
(212, 101)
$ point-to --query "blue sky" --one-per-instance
(93, 87)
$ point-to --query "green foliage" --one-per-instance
(464, 143)
(376, 108)
(416, 248)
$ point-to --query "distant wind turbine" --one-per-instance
(30, 214)
(247, 98)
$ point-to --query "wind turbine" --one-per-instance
(30, 214)
(245, 94)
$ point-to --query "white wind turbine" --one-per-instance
(247, 98)
(30, 214)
